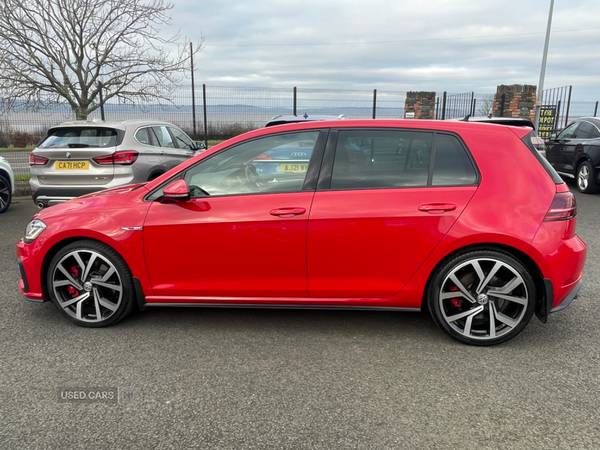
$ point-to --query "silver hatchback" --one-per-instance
(78, 158)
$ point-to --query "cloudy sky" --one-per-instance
(440, 45)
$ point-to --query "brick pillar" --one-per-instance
(421, 104)
(519, 101)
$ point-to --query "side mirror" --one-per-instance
(200, 146)
(553, 137)
(175, 192)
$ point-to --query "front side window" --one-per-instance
(183, 141)
(265, 165)
(568, 132)
(80, 137)
(371, 159)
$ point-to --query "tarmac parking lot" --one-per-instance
(294, 379)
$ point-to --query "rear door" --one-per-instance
(389, 198)
(170, 154)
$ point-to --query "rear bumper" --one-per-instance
(569, 298)
(53, 196)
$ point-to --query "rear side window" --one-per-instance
(368, 159)
(587, 131)
(452, 166)
(80, 137)
(146, 136)
(527, 140)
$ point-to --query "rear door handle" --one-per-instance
(288, 211)
(437, 208)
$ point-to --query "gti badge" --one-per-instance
(68, 154)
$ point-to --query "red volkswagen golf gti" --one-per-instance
(465, 219)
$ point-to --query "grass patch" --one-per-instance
(17, 149)
(20, 177)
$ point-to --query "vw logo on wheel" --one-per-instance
(298, 154)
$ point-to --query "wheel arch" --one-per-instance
(522, 257)
(58, 246)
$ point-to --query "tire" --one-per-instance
(586, 180)
(482, 297)
(90, 284)
(5, 193)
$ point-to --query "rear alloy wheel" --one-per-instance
(482, 297)
(5, 193)
(586, 182)
(90, 284)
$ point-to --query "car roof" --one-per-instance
(117, 124)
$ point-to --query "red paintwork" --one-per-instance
(353, 248)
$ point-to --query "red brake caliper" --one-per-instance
(72, 291)
(457, 302)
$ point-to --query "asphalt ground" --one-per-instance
(285, 379)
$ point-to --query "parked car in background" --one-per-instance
(536, 141)
(575, 153)
(7, 184)
(282, 120)
(77, 158)
(388, 214)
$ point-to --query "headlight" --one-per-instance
(33, 230)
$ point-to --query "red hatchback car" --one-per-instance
(465, 219)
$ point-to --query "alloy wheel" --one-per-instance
(583, 177)
(87, 286)
(483, 299)
(5, 194)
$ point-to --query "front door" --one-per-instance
(242, 234)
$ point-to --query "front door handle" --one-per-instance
(437, 208)
(288, 212)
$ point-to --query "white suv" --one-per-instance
(7, 184)
(78, 158)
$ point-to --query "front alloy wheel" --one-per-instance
(482, 297)
(90, 284)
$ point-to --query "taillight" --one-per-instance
(125, 158)
(538, 144)
(262, 156)
(35, 160)
(563, 207)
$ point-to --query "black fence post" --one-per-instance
(100, 87)
(374, 102)
(205, 115)
(558, 121)
(295, 99)
(568, 106)
(444, 106)
(596, 109)
(193, 91)
(473, 106)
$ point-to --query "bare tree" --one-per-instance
(61, 49)
(486, 105)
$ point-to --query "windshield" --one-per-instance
(80, 137)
